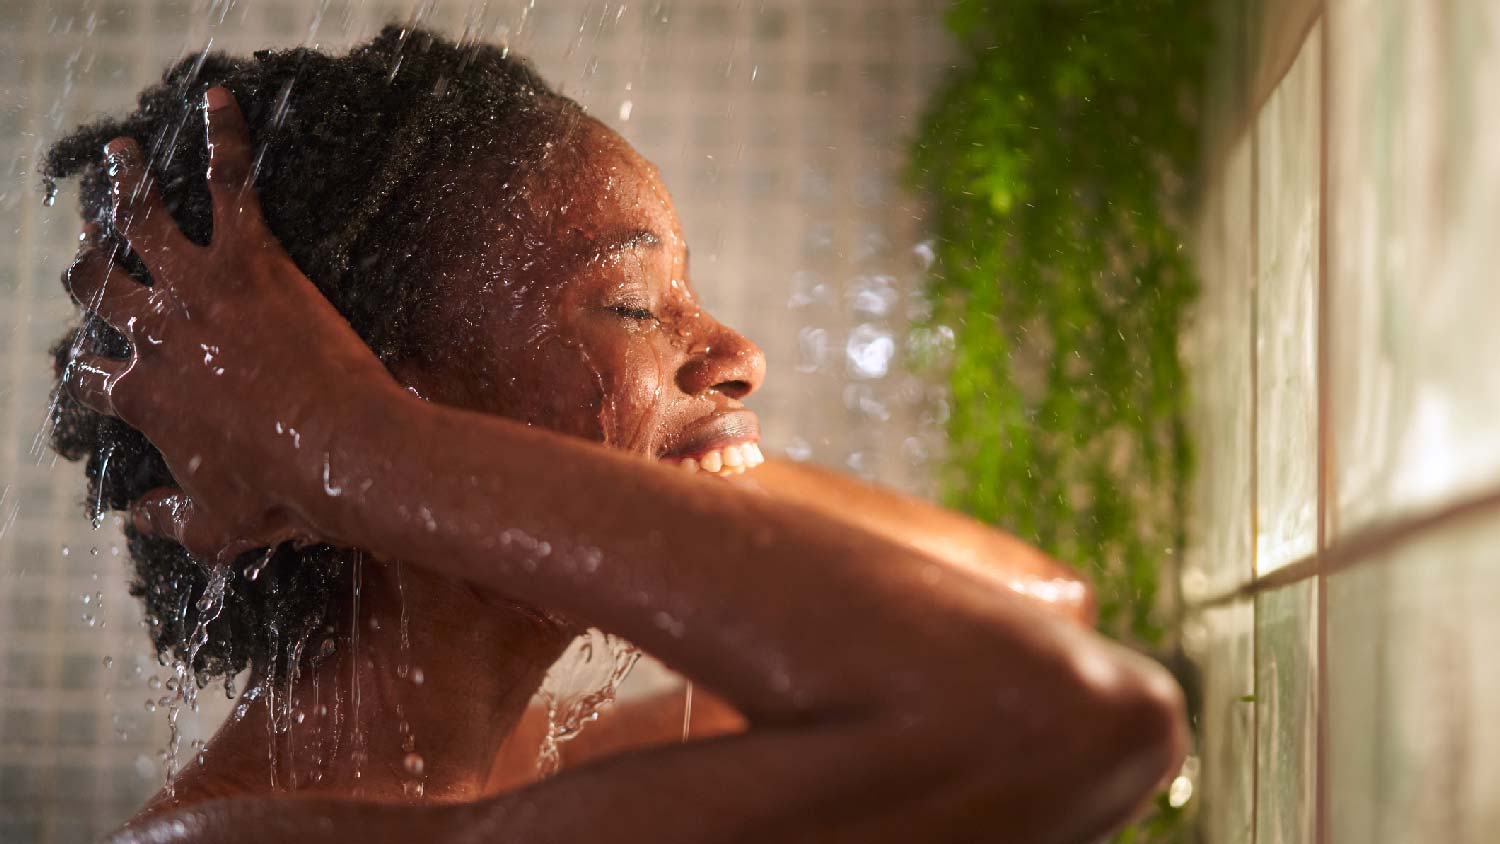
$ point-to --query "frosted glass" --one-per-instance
(1227, 725)
(1286, 688)
(1218, 353)
(1416, 184)
(1289, 139)
(1414, 746)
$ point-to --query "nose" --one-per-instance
(724, 360)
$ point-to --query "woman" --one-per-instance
(525, 453)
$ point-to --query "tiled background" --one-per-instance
(1345, 376)
(780, 126)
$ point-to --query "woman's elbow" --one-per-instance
(1132, 725)
(1097, 735)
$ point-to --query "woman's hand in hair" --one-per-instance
(234, 351)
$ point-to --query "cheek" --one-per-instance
(563, 391)
(632, 375)
(602, 385)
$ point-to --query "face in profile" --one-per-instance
(566, 304)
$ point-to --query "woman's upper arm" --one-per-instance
(947, 536)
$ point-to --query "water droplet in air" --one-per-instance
(413, 764)
(109, 662)
(253, 571)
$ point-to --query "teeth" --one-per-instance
(730, 460)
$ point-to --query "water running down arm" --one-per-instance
(890, 697)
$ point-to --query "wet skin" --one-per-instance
(905, 682)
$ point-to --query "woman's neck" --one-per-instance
(410, 698)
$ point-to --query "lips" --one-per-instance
(724, 443)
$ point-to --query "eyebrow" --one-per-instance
(627, 242)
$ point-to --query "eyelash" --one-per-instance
(633, 313)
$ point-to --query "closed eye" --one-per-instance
(632, 313)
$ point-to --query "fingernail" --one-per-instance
(117, 150)
(217, 97)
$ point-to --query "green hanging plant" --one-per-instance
(1054, 156)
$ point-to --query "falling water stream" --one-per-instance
(840, 285)
(184, 676)
(579, 686)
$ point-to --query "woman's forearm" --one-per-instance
(755, 597)
(766, 602)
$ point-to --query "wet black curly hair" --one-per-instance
(343, 145)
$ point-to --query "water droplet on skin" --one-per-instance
(109, 662)
(666, 622)
(150, 706)
(413, 764)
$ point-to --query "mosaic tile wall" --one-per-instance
(1344, 364)
(780, 126)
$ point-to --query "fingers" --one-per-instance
(170, 513)
(91, 379)
(138, 210)
(97, 283)
(164, 512)
(229, 159)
